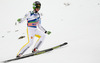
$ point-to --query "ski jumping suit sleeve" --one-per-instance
(40, 27)
(33, 20)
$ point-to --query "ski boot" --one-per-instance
(35, 51)
(19, 55)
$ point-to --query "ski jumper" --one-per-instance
(33, 20)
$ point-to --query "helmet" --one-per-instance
(36, 4)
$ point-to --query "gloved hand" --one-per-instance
(19, 20)
(48, 32)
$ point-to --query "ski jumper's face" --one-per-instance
(37, 9)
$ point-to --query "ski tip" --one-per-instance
(65, 43)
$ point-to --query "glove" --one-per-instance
(19, 20)
(48, 32)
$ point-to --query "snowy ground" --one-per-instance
(75, 21)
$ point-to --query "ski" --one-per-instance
(34, 54)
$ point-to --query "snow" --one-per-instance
(74, 21)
